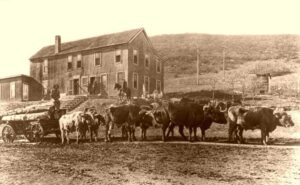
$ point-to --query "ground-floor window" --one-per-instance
(120, 78)
(70, 87)
(135, 80)
(147, 84)
(158, 85)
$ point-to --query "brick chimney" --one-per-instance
(57, 44)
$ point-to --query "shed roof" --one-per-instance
(17, 76)
(89, 43)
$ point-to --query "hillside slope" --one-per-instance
(179, 50)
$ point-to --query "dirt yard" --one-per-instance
(147, 163)
(152, 162)
(155, 162)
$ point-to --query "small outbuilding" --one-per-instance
(263, 80)
(20, 88)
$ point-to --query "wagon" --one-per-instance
(34, 126)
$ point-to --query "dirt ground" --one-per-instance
(155, 162)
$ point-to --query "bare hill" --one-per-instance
(179, 50)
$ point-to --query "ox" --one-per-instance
(71, 122)
(92, 123)
(146, 120)
(125, 116)
(162, 118)
(265, 119)
(193, 115)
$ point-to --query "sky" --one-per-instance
(28, 25)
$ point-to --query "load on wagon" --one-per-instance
(31, 122)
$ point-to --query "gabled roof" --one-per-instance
(89, 43)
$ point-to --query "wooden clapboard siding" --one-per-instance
(59, 74)
(144, 47)
(35, 89)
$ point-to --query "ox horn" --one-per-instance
(224, 110)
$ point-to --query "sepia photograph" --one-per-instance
(141, 92)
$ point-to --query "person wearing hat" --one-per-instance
(55, 95)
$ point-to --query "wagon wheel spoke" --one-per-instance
(8, 134)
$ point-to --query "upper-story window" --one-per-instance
(70, 59)
(98, 61)
(158, 66)
(79, 61)
(135, 57)
(45, 66)
(147, 61)
(118, 58)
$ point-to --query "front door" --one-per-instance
(76, 86)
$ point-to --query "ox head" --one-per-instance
(218, 112)
(146, 118)
(283, 119)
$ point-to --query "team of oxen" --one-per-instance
(183, 113)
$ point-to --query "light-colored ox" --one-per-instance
(73, 122)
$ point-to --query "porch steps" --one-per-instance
(72, 102)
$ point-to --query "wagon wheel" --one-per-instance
(35, 132)
(8, 134)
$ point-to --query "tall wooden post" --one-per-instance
(197, 65)
(224, 65)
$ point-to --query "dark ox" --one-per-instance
(128, 117)
(92, 123)
(193, 115)
(265, 119)
(162, 118)
(145, 121)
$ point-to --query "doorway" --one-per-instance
(76, 87)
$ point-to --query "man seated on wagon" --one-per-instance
(55, 94)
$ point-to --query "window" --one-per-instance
(118, 56)
(147, 61)
(135, 80)
(146, 83)
(70, 87)
(12, 90)
(120, 77)
(79, 61)
(135, 57)
(84, 81)
(45, 66)
(25, 91)
(158, 85)
(98, 61)
(70, 59)
(158, 66)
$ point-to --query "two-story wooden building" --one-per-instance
(107, 59)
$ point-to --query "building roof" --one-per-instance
(89, 43)
(17, 76)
